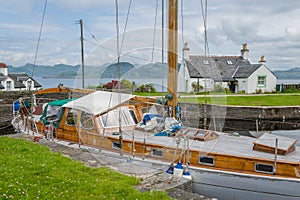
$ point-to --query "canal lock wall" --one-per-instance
(213, 117)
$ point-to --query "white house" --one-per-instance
(15, 82)
(235, 73)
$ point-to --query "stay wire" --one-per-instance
(204, 16)
(125, 27)
(40, 34)
(92, 35)
(154, 32)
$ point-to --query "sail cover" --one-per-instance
(53, 112)
(99, 102)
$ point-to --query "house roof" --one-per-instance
(2, 77)
(18, 78)
(246, 71)
(223, 68)
(17, 83)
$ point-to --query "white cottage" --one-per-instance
(235, 73)
(14, 82)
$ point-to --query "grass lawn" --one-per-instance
(248, 100)
(30, 171)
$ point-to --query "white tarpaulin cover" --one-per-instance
(98, 102)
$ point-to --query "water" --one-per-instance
(288, 81)
(77, 82)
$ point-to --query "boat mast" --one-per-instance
(172, 54)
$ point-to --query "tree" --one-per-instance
(146, 88)
(196, 87)
(126, 84)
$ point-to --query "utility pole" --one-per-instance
(82, 51)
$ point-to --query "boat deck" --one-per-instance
(225, 144)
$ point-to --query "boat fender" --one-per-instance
(235, 134)
(170, 170)
(178, 169)
(186, 174)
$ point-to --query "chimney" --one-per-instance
(3, 69)
(245, 52)
(186, 51)
(262, 60)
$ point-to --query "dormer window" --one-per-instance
(205, 62)
(229, 62)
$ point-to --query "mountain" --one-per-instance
(60, 70)
(293, 73)
(127, 71)
(111, 70)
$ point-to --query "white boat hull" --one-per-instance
(226, 185)
(223, 185)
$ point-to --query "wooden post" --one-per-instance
(172, 54)
(275, 158)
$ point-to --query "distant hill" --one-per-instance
(127, 71)
(59, 70)
(293, 73)
(111, 71)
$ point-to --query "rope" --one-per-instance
(40, 34)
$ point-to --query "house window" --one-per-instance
(264, 168)
(72, 117)
(206, 160)
(261, 81)
(29, 85)
(205, 62)
(86, 120)
(229, 62)
(8, 85)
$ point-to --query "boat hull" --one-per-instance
(223, 185)
(227, 185)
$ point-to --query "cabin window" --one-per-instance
(156, 152)
(264, 168)
(72, 117)
(150, 109)
(206, 160)
(261, 81)
(116, 145)
(111, 119)
(86, 120)
(53, 113)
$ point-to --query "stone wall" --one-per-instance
(8, 97)
(240, 118)
(214, 117)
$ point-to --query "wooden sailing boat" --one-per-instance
(263, 168)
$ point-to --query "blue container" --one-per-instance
(16, 106)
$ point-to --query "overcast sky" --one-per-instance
(269, 27)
